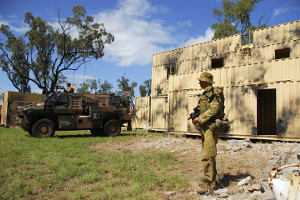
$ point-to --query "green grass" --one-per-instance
(65, 167)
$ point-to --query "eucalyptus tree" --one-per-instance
(93, 86)
(44, 53)
(125, 88)
(235, 18)
(145, 89)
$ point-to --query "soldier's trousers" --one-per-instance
(208, 155)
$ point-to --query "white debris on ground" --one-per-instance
(171, 144)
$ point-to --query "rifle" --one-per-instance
(194, 114)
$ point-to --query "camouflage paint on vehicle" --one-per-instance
(101, 114)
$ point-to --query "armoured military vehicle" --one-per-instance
(101, 114)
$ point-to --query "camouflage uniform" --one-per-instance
(69, 88)
(211, 106)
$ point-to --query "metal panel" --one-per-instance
(4, 108)
(240, 79)
(241, 108)
(277, 34)
(159, 113)
(178, 111)
(266, 72)
(288, 109)
(11, 100)
(159, 78)
(201, 52)
(239, 111)
(141, 114)
(267, 52)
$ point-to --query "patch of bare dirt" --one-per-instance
(237, 161)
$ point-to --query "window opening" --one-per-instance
(217, 63)
(170, 70)
(282, 53)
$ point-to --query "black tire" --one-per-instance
(30, 132)
(43, 128)
(112, 128)
(97, 132)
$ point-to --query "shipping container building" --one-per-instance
(10, 103)
(261, 83)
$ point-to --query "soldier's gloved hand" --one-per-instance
(196, 121)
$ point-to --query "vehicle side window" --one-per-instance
(62, 98)
(52, 99)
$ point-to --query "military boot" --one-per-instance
(203, 187)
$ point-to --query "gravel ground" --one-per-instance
(243, 165)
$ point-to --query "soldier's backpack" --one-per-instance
(220, 124)
(219, 94)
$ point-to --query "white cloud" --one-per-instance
(186, 23)
(209, 33)
(137, 36)
(21, 29)
(284, 9)
(78, 78)
(281, 10)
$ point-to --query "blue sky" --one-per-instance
(141, 28)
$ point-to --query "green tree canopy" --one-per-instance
(142, 90)
(106, 87)
(145, 89)
(43, 54)
(235, 19)
(125, 87)
(93, 86)
(88, 86)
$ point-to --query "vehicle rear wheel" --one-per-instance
(112, 128)
(43, 128)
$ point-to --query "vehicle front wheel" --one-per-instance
(30, 132)
(97, 132)
(43, 128)
(112, 128)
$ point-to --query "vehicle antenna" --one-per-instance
(84, 72)
(124, 68)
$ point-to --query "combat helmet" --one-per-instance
(206, 77)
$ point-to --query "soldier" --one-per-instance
(211, 106)
(69, 88)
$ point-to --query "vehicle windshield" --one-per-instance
(48, 97)
(56, 98)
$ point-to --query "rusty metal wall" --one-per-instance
(246, 70)
(10, 102)
(141, 112)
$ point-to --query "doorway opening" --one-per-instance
(266, 112)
